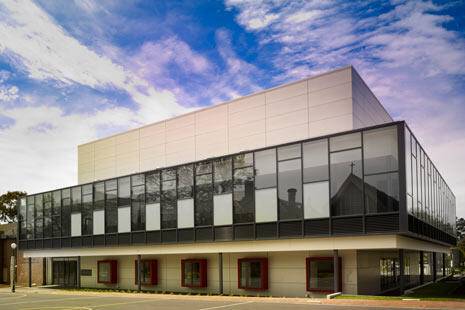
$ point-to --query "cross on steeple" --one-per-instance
(352, 167)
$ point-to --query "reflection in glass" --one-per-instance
(382, 193)
(380, 150)
(243, 196)
(289, 152)
(346, 183)
(265, 169)
(315, 161)
(290, 189)
(321, 275)
(185, 181)
(124, 192)
(204, 200)
(152, 187)
(344, 142)
(223, 176)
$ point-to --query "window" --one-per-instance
(388, 273)
(290, 189)
(107, 271)
(185, 182)
(87, 212)
(76, 199)
(149, 272)
(152, 187)
(265, 169)
(56, 214)
(289, 152)
(65, 212)
(380, 150)
(382, 193)
(30, 217)
(124, 192)
(344, 142)
(315, 161)
(22, 219)
(243, 160)
(316, 200)
(204, 195)
(222, 176)
(253, 273)
(243, 197)
(99, 196)
(168, 199)
(111, 206)
(194, 273)
(137, 202)
(320, 274)
(38, 217)
(346, 182)
(47, 215)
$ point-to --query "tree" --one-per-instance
(8, 210)
(460, 228)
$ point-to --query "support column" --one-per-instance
(220, 272)
(139, 273)
(422, 268)
(435, 267)
(401, 271)
(78, 276)
(336, 270)
(44, 271)
(443, 264)
(29, 268)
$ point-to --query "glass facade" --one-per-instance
(347, 175)
(429, 198)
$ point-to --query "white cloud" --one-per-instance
(407, 56)
(30, 38)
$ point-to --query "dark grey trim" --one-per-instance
(403, 212)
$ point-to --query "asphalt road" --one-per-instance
(25, 299)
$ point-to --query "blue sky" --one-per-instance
(71, 72)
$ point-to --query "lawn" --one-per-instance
(439, 291)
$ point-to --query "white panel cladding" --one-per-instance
(222, 209)
(266, 205)
(332, 102)
(124, 219)
(186, 213)
(99, 222)
(152, 216)
(316, 200)
(75, 224)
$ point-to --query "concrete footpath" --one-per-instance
(46, 298)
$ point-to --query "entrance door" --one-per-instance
(64, 272)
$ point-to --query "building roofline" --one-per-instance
(227, 102)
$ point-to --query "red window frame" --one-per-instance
(307, 273)
(202, 270)
(153, 271)
(113, 271)
(263, 273)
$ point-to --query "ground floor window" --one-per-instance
(194, 272)
(107, 271)
(148, 272)
(320, 274)
(253, 273)
(388, 273)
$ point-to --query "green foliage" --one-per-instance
(8, 210)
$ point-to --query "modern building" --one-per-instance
(303, 189)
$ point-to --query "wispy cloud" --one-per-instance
(31, 39)
(412, 61)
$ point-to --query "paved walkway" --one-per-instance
(42, 298)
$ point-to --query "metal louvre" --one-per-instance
(153, 237)
(124, 238)
(347, 225)
(316, 227)
(290, 229)
(111, 239)
(87, 241)
(186, 235)
(382, 223)
(244, 232)
(138, 237)
(168, 236)
(99, 240)
(204, 234)
(266, 230)
(224, 233)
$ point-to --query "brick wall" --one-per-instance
(37, 271)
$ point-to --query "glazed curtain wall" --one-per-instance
(429, 198)
(341, 176)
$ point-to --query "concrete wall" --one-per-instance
(312, 107)
(368, 270)
(286, 272)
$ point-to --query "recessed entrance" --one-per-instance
(64, 272)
